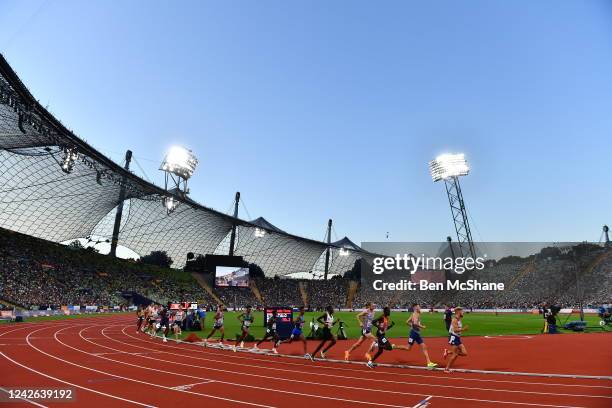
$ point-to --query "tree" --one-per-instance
(159, 258)
(76, 244)
(195, 264)
(255, 270)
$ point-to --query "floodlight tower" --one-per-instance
(329, 231)
(178, 166)
(119, 213)
(233, 234)
(449, 167)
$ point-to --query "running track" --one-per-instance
(108, 364)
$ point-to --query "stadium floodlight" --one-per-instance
(448, 168)
(259, 232)
(448, 165)
(180, 162)
(70, 156)
(178, 166)
(171, 204)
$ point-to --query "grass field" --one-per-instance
(479, 324)
(61, 317)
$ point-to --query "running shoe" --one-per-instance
(234, 349)
(307, 356)
(370, 364)
(322, 355)
(242, 344)
(165, 340)
(346, 355)
(431, 365)
(274, 351)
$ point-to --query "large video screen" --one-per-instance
(232, 276)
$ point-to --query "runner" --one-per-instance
(297, 332)
(246, 320)
(270, 333)
(218, 325)
(365, 319)
(454, 339)
(140, 315)
(164, 323)
(415, 334)
(178, 322)
(327, 320)
(152, 327)
(382, 324)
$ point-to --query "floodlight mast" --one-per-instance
(178, 166)
(329, 231)
(448, 168)
(233, 233)
(119, 213)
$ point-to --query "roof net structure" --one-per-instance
(55, 186)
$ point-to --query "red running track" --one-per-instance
(108, 364)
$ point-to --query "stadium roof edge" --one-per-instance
(19, 87)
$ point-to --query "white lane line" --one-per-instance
(189, 386)
(341, 377)
(204, 351)
(511, 337)
(423, 403)
(316, 383)
(133, 379)
(239, 385)
(24, 399)
(125, 352)
(72, 384)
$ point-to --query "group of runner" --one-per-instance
(158, 319)
(155, 318)
(383, 323)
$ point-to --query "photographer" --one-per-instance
(544, 311)
(551, 319)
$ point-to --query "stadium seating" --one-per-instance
(40, 274)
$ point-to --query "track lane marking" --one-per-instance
(336, 376)
(74, 385)
(423, 403)
(132, 379)
(311, 382)
(188, 386)
(206, 351)
(233, 372)
(24, 399)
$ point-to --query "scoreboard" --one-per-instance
(184, 305)
(284, 320)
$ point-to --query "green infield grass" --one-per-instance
(479, 324)
(63, 317)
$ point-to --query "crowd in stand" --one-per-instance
(237, 298)
(529, 283)
(323, 293)
(40, 274)
(280, 292)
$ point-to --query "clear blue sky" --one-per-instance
(325, 109)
